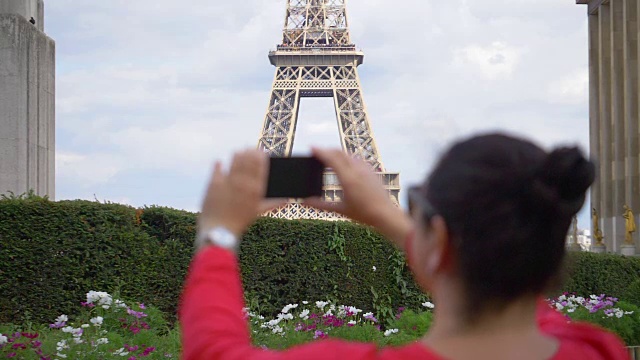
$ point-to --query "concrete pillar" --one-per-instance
(26, 8)
(632, 179)
(27, 100)
(594, 109)
(616, 11)
(606, 136)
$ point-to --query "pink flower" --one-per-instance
(142, 306)
(148, 351)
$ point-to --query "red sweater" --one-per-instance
(214, 327)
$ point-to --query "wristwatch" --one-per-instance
(218, 236)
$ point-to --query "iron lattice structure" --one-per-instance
(318, 59)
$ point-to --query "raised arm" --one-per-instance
(213, 325)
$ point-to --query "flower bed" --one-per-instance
(608, 312)
(301, 323)
(108, 327)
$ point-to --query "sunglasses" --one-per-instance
(418, 202)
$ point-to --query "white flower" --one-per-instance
(97, 321)
(559, 306)
(428, 304)
(289, 307)
(61, 345)
(374, 268)
(78, 340)
(321, 304)
(102, 341)
(304, 314)
(84, 326)
(353, 310)
(120, 352)
(305, 302)
(390, 331)
(62, 318)
(67, 329)
(61, 355)
(101, 297)
(3, 339)
(352, 322)
(277, 330)
(120, 303)
(369, 314)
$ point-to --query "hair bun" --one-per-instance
(563, 179)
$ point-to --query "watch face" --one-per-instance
(223, 238)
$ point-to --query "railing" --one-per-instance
(312, 48)
(634, 352)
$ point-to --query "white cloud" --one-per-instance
(86, 170)
(571, 89)
(493, 61)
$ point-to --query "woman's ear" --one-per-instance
(440, 257)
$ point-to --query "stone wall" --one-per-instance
(27, 105)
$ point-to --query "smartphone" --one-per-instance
(295, 177)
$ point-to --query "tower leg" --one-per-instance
(355, 130)
(278, 131)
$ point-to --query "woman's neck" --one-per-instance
(490, 335)
(451, 320)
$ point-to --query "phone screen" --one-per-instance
(295, 177)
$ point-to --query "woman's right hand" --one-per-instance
(365, 200)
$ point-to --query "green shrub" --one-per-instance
(601, 274)
(52, 253)
(632, 293)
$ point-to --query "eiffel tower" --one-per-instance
(318, 59)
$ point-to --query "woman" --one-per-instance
(485, 238)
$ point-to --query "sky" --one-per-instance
(150, 92)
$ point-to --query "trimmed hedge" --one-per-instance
(610, 274)
(52, 253)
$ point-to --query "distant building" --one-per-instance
(583, 239)
(27, 100)
(614, 44)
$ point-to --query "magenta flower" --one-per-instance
(141, 305)
(148, 351)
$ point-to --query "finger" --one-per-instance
(335, 159)
(216, 178)
(248, 168)
(262, 170)
(216, 182)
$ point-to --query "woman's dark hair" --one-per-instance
(508, 206)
